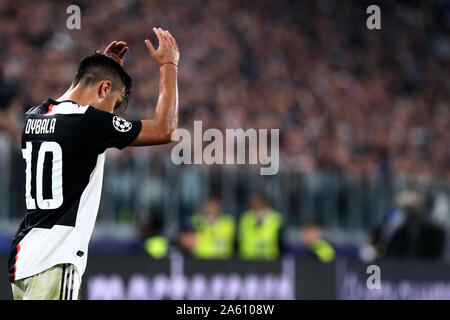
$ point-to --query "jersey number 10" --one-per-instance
(57, 186)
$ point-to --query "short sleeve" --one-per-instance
(106, 130)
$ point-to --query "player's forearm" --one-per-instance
(159, 129)
(166, 113)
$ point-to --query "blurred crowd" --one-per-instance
(361, 101)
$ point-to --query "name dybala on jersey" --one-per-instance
(63, 145)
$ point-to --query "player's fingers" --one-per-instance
(110, 46)
(150, 47)
(172, 39)
(161, 40)
(124, 52)
(117, 49)
(167, 37)
(163, 36)
(120, 45)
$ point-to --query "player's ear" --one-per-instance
(104, 88)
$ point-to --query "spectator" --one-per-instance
(155, 243)
(212, 234)
(260, 230)
(312, 238)
(417, 237)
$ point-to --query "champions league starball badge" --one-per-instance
(121, 125)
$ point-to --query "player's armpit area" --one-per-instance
(153, 133)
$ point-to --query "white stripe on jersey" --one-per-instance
(66, 108)
(42, 248)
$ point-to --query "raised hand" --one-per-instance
(116, 50)
(167, 52)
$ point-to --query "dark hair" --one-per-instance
(100, 67)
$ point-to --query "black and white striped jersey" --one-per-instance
(63, 146)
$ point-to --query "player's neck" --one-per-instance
(77, 95)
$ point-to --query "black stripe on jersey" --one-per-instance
(47, 176)
(62, 282)
(66, 293)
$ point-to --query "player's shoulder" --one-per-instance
(106, 119)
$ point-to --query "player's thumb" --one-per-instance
(150, 47)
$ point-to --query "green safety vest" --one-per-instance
(259, 241)
(214, 240)
(323, 250)
(156, 247)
